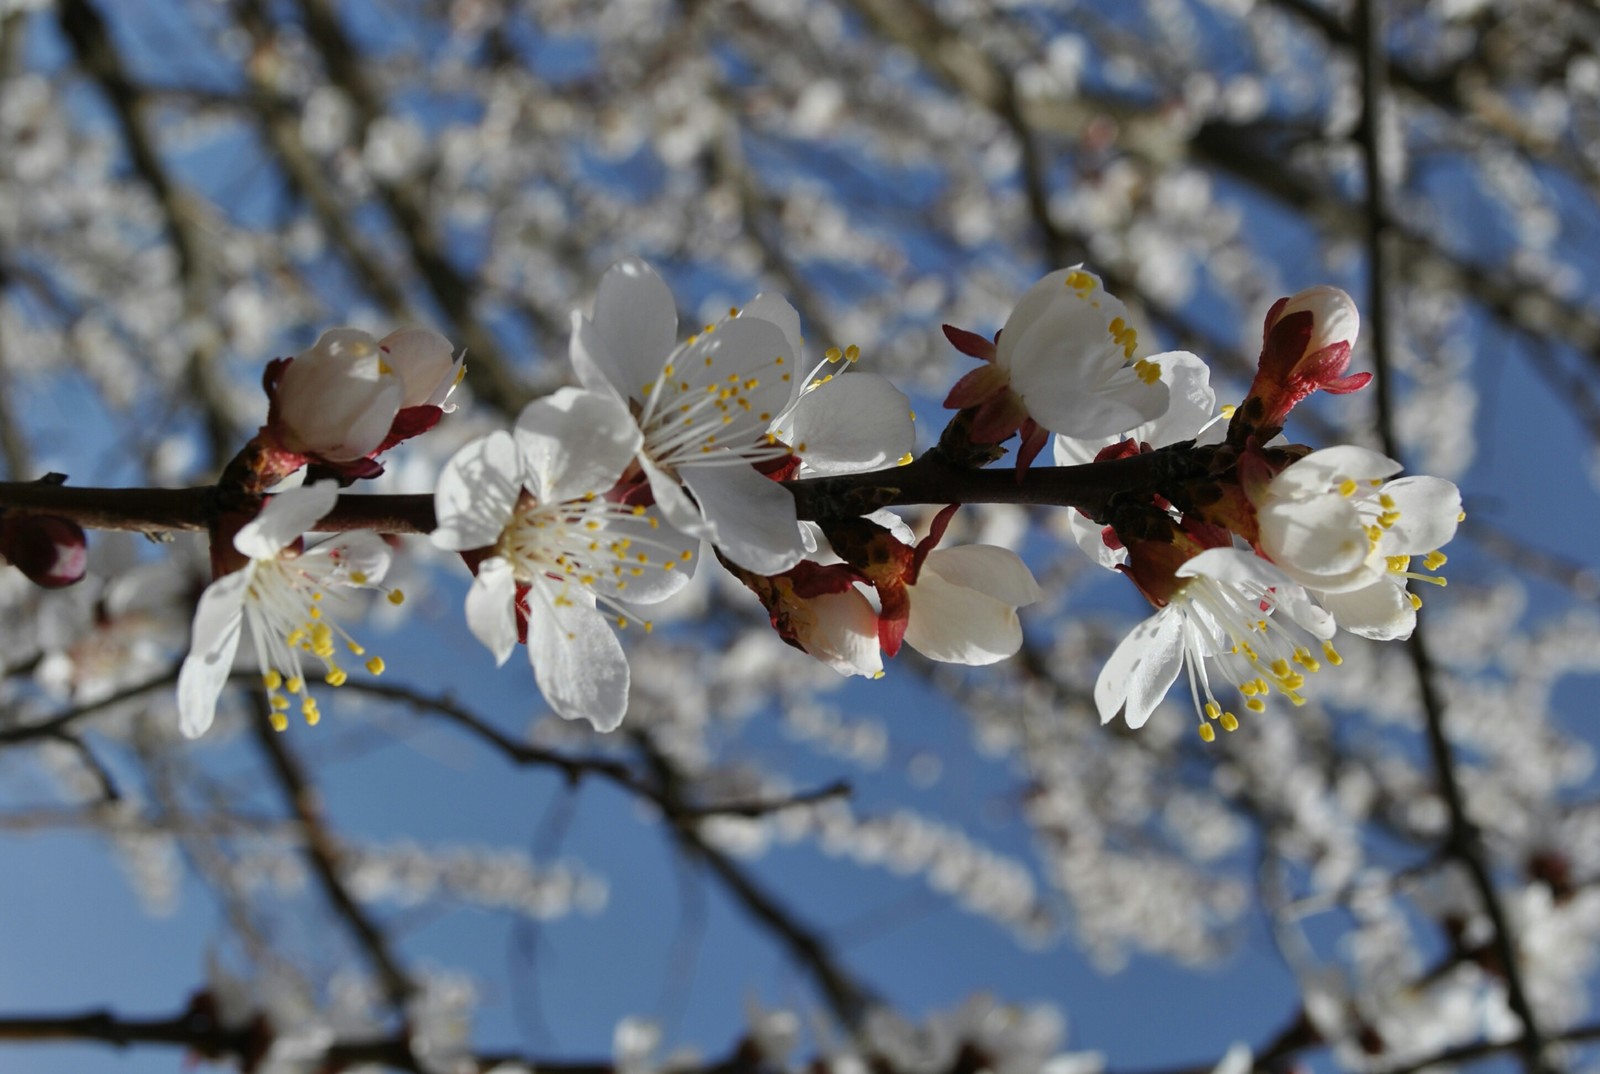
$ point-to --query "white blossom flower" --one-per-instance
(280, 595)
(428, 369)
(1333, 524)
(964, 604)
(703, 409)
(337, 399)
(536, 501)
(1230, 614)
(1190, 415)
(1064, 362)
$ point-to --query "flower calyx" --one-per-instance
(1306, 345)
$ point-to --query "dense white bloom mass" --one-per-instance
(279, 594)
(534, 501)
(703, 409)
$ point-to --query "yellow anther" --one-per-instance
(1416, 601)
(312, 714)
(669, 564)
(375, 665)
(1348, 487)
(833, 354)
(358, 577)
(686, 555)
(295, 685)
(280, 722)
(852, 353)
(1461, 516)
(1207, 733)
(315, 612)
(355, 648)
(1149, 372)
(396, 597)
(1398, 564)
(1386, 502)
(1434, 560)
(1079, 281)
(1213, 710)
(272, 679)
(1331, 654)
(904, 460)
(1229, 722)
(733, 311)
(649, 625)
(622, 622)
(278, 702)
(1255, 704)
(668, 371)
(336, 677)
(1228, 409)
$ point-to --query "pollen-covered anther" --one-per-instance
(1147, 371)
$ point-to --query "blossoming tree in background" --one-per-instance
(777, 391)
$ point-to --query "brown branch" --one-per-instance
(323, 855)
(928, 481)
(1464, 842)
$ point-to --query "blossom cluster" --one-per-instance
(598, 500)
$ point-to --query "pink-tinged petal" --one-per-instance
(1429, 510)
(1382, 611)
(636, 320)
(854, 422)
(577, 661)
(477, 493)
(575, 443)
(1141, 669)
(750, 519)
(491, 607)
(285, 517)
(214, 640)
(845, 633)
(423, 360)
(964, 605)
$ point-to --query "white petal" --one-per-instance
(422, 359)
(750, 517)
(989, 569)
(1430, 511)
(1119, 403)
(345, 555)
(1141, 669)
(771, 306)
(214, 640)
(285, 517)
(680, 511)
(756, 354)
(1090, 536)
(661, 542)
(575, 443)
(491, 607)
(1317, 538)
(1052, 300)
(1382, 611)
(1192, 401)
(577, 660)
(954, 620)
(477, 493)
(636, 323)
(1323, 470)
(854, 422)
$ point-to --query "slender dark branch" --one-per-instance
(849, 998)
(323, 855)
(56, 726)
(926, 481)
(1464, 842)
